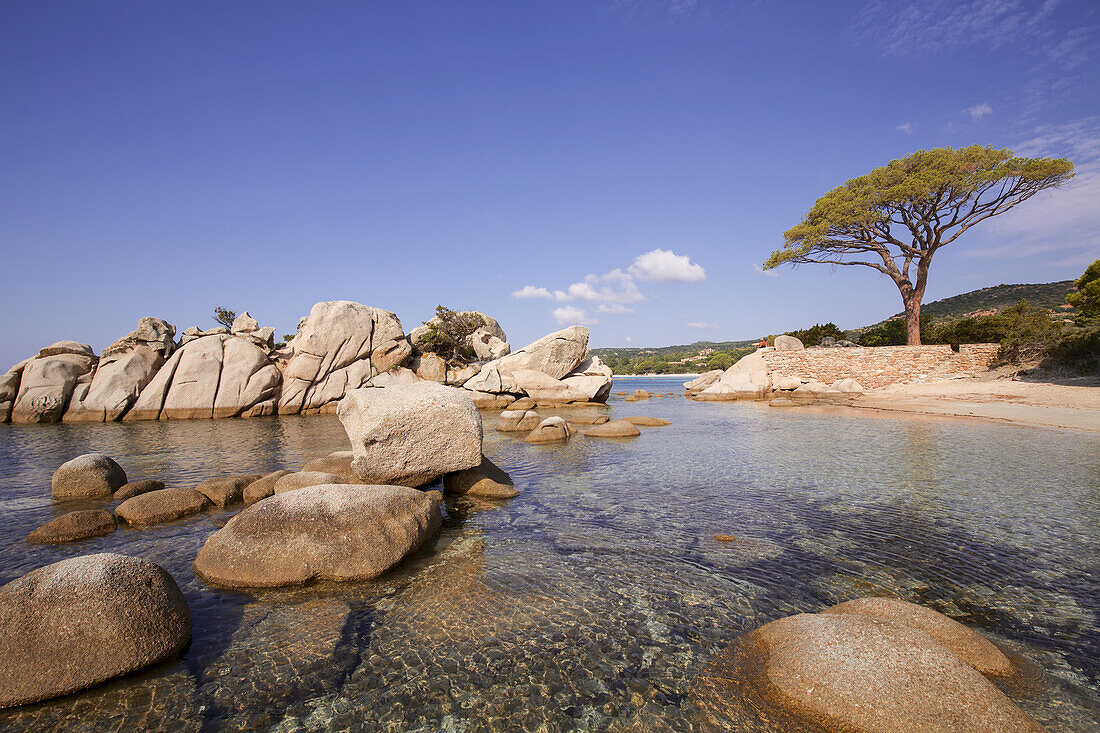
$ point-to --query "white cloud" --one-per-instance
(906, 127)
(628, 340)
(700, 325)
(979, 111)
(615, 308)
(664, 265)
(612, 287)
(530, 291)
(569, 315)
(766, 273)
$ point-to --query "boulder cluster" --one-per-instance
(346, 517)
(239, 371)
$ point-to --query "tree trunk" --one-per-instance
(912, 318)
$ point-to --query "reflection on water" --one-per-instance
(590, 601)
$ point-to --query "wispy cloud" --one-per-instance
(766, 273)
(979, 111)
(613, 291)
(569, 315)
(1062, 226)
(929, 26)
(700, 325)
(906, 127)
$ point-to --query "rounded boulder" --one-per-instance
(89, 475)
(330, 532)
(73, 624)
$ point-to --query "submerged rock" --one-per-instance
(227, 490)
(842, 671)
(73, 624)
(613, 429)
(647, 422)
(262, 487)
(304, 479)
(89, 475)
(411, 434)
(969, 645)
(485, 480)
(338, 463)
(136, 488)
(328, 532)
(161, 506)
(78, 525)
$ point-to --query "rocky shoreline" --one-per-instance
(239, 371)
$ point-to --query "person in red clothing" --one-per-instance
(763, 344)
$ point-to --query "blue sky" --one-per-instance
(161, 159)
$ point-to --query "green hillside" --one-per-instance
(990, 300)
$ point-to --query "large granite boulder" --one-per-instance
(518, 421)
(78, 525)
(89, 475)
(748, 378)
(487, 345)
(855, 671)
(788, 343)
(702, 381)
(544, 388)
(411, 434)
(124, 370)
(73, 624)
(340, 347)
(329, 532)
(247, 327)
(213, 376)
(47, 381)
(592, 378)
(555, 355)
(338, 463)
(613, 429)
(429, 367)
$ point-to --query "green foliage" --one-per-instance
(1079, 352)
(448, 335)
(224, 316)
(719, 360)
(974, 182)
(812, 336)
(1024, 332)
(1087, 296)
(287, 337)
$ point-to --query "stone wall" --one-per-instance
(878, 366)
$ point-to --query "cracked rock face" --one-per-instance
(211, 376)
(556, 355)
(341, 346)
(47, 382)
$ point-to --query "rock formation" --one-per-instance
(48, 380)
(86, 476)
(124, 370)
(49, 645)
(211, 376)
(748, 378)
(339, 348)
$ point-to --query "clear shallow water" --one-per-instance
(590, 601)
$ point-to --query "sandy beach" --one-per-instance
(1041, 404)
